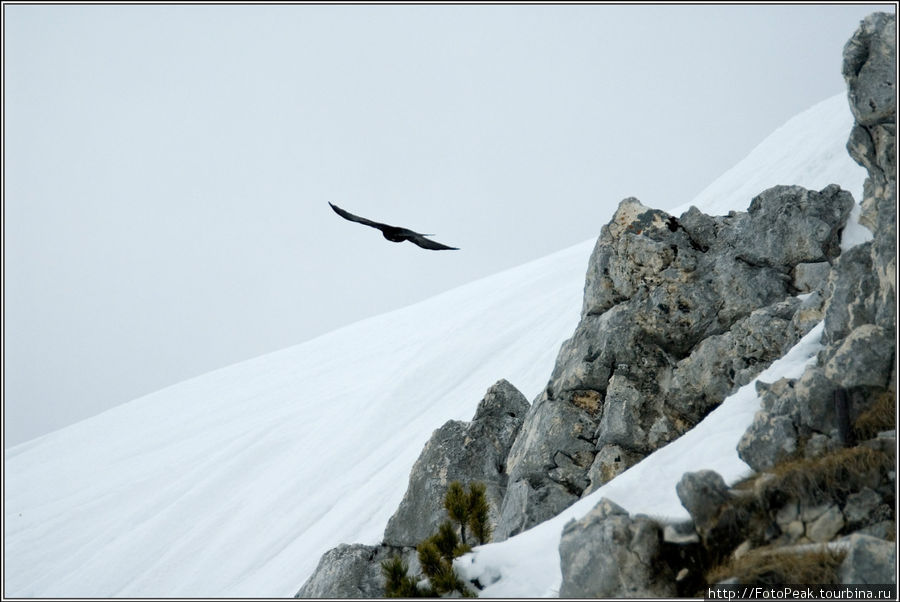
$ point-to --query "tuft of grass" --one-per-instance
(779, 567)
(827, 478)
(749, 514)
(879, 416)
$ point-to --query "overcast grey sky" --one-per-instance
(168, 168)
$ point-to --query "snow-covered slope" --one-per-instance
(809, 150)
(796, 153)
(233, 484)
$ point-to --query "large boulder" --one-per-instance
(609, 554)
(352, 571)
(468, 452)
(702, 493)
(869, 560)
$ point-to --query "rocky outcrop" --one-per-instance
(817, 484)
(352, 571)
(609, 554)
(859, 355)
(679, 312)
(460, 451)
(870, 70)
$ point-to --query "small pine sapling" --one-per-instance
(469, 510)
(397, 584)
(457, 504)
(478, 512)
(436, 553)
(446, 540)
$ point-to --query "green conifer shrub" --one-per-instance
(457, 504)
(436, 553)
(478, 513)
(400, 585)
(469, 510)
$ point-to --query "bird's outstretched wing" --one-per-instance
(427, 243)
(395, 233)
(355, 218)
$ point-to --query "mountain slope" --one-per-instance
(234, 483)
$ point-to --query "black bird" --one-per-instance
(395, 233)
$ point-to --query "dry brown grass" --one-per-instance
(827, 478)
(765, 566)
(880, 416)
(749, 516)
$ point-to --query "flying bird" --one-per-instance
(395, 233)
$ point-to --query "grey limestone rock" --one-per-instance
(869, 560)
(826, 525)
(678, 313)
(553, 429)
(788, 225)
(861, 506)
(851, 291)
(885, 529)
(468, 452)
(608, 554)
(869, 69)
(818, 445)
(770, 439)
(702, 493)
(787, 514)
(352, 571)
(809, 277)
(525, 506)
(620, 424)
(864, 358)
(813, 401)
(720, 364)
(610, 462)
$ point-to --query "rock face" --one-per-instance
(678, 313)
(869, 560)
(608, 554)
(870, 65)
(859, 353)
(458, 451)
(351, 571)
